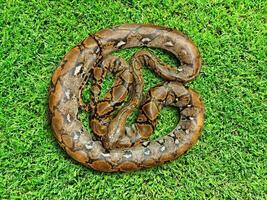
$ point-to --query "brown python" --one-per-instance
(115, 146)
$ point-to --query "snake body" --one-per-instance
(115, 146)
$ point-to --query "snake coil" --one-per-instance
(115, 146)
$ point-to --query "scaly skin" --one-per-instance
(115, 147)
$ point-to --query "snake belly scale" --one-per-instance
(115, 146)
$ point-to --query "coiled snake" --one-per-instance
(115, 146)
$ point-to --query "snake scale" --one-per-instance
(115, 146)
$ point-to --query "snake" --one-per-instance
(115, 146)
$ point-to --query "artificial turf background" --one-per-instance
(228, 162)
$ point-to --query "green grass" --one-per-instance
(228, 162)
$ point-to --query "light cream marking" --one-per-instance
(172, 134)
(146, 143)
(106, 154)
(68, 118)
(147, 151)
(67, 93)
(89, 145)
(169, 44)
(162, 148)
(127, 154)
(76, 136)
(97, 50)
(144, 40)
(160, 141)
(77, 69)
(121, 43)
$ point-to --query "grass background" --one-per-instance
(228, 162)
